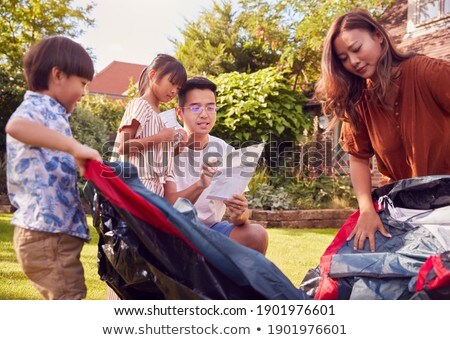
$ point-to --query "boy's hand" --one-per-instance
(83, 152)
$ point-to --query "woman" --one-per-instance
(395, 106)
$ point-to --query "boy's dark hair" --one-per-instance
(56, 51)
(163, 64)
(193, 83)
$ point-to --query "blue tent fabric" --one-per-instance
(416, 213)
(139, 261)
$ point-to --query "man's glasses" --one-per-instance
(197, 109)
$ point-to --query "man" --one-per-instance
(194, 168)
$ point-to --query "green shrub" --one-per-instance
(109, 111)
(270, 191)
(89, 129)
(260, 176)
(260, 106)
(323, 192)
(267, 197)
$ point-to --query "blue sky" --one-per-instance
(136, 30)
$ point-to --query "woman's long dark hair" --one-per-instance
(339, 91)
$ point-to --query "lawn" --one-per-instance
(294, 251)
(15, 286)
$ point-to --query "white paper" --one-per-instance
(169, 119)
(235, 173)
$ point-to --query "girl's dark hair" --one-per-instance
(193, 83)
(56, 51)
(163, 64)
(341, 92)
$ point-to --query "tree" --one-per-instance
(22, 23)
(223, 41)
(287, 34)
(208, 41)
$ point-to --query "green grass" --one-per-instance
(15, 286)
(294, 251)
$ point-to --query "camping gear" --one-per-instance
(150, 250)
(413, 264)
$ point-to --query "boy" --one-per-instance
(192, 178)
(42, 156)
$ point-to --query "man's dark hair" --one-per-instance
(194, 83)
(56, 51)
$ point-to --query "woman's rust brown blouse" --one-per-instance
(413, 137)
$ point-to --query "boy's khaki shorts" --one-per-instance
(52, 263)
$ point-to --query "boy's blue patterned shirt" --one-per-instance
(42, 183)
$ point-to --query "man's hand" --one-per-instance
(206, 174)
(238, 208)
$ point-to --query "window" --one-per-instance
(427, 16)
(431, 10)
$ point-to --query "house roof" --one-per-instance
(114, 79)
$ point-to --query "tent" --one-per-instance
(413, 264)
(149, 249)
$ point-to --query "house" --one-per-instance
(420, 26)
(114, 80)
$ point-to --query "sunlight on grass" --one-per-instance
(15, 286)
(293, 251)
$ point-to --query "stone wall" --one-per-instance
(322, 218)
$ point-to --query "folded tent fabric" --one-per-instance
(176, 257)
(419, 232)
(218, 268)
(433, 279)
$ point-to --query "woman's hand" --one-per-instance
(368, 224)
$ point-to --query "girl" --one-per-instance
(395, 106)
(142, 139)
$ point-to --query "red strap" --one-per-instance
(442, 278)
